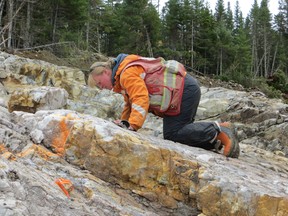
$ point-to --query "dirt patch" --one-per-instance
(82, 60)
(44, 56)
(211, 83)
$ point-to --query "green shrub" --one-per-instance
(279, 81)
(270, 91)
(249, 82)
(224, 78)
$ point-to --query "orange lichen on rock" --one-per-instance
(2, 149)
(65, 185)
(40, 151)
(6, 154)
(59, 142)
(9, 156)
(71, 117)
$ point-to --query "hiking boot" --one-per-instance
(228, 140)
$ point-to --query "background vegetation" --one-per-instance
(221, 42)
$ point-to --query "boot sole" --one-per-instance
(235, 148)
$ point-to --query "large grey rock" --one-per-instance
(38, 98)
(141, 174)
(165, 172)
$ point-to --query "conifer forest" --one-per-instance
(218, 42)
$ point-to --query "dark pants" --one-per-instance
(182, 128)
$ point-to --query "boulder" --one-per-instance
(58, 128)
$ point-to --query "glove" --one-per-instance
(124, 124)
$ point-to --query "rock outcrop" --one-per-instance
(64, 130)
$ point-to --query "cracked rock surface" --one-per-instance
(52, 126)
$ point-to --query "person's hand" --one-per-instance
(117, 121)
(124, 124)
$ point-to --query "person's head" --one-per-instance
(100, 75)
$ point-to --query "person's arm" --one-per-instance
(137, 95)
(127, 108)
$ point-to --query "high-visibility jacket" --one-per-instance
(149, 84)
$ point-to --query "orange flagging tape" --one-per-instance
(65, 185)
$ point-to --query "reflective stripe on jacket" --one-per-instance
(149, 84)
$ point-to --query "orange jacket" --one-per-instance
(165, 78)
(134, 90)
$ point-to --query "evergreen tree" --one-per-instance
(189, 34)
(254, 33)
(131, 27)
(172, 28)
(220, 43)
(204, 38)
(220, 11)
(281, 20)
(229, 19)
(224, 39)
(238, 18)
(265, 40)
(242, 56)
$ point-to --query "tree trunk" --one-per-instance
(274, 58)
(192, 44)
(254, 56)
(10, 23)
(149, 47)
(98, 39)
(265, 54)
(54, 21)
(221, 61)
(28, 25)
(88, 27)
(1, 12)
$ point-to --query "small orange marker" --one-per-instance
(65, 185)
